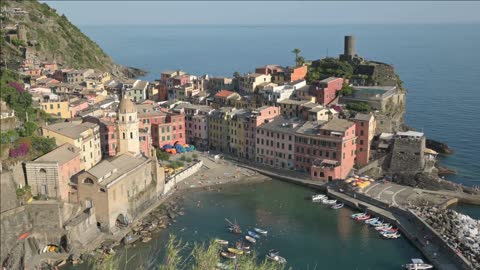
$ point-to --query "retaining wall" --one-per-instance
(179, 177)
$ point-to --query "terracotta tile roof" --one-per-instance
(224, 94)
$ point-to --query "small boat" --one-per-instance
(358, 215)
(362, 218)
(250, 239)
(228, 255)
(417, 264)
(318, 197)
(390, 235)
(369, 221)
(234, 227)
(235, 251)
(254, 235)
(383, 228)
(377, 223)
(337, 206)
(221, 241)
(260, 231)
(391, 230)
(330, 202)
(274, 256)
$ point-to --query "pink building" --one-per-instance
(255, 119)
(169, 131)
(326, 150)
(50, 174)
(77, 106)
(108, 131)
(326, 90)
(365, 131)
(275, 141)
(145, 142)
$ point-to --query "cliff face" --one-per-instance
(34, 30)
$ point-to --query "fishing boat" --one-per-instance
(254, 235)
(235, 251)
(250, 239)
(337, 206)
(260, 231)
(329, 202)
(221, 241)
(417, 264)
(362, 218)
(318, 197)
(391, 230)
(358, 215)
(274, 256)
(377, 223)
(228, 255)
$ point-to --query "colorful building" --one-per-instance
(326, 90)
(170, 131)
(218, 128)
(365, 131)
(326, 150)
(85, 136)
(275, 142)
(50, 174)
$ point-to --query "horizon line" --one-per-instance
(283, 24)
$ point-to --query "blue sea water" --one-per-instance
(439, 64)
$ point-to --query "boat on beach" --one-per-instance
(417, 264)
(221, 241)
(250, 239)
(337, 206)
(228, 255)
(254, 235)
(260, 231)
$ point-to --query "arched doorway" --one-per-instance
(121, 221)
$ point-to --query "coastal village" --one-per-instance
(123, 146)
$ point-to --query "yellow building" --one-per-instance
(85, 136)
(57, 108)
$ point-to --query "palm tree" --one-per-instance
(296, 51)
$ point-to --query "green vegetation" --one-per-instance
(329, 67)
(359, 107)
(346, 90)
(162, 155)
(202, 256)
(43, 145)
(194, 156)
(183, 158)
(23, 191)
(299, 60)
(17, 42)
(176, 164)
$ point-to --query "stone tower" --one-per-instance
(127, 127)
(22, 32)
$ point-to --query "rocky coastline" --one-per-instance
(460, 231)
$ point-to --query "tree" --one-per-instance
(346, 90)
(296, 51)
(236, 74)
(28, 129)
(161, 155)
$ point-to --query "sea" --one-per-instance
(439, 64)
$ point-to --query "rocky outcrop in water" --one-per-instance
(460, 231)
(439, 147)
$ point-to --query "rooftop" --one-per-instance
(293, 101)
(109, 170)
(282, 124)
(363, 117)
(69, 129)
(329, 79)
(409, 133)
(224, 94)
(61, 154)
(337, 124)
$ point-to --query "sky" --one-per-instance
(265, 12)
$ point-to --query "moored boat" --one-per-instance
(235, 251)
(337, 206)
(417, 264)
(329, 202)
(260, 231)
(318, 197)
(250, 239)
(274, 256)
(228, 255)
(390, 235)
(254, 235)
(369, 221)
(358, 215)
(221, 241)
(362, 218)
(383, 228)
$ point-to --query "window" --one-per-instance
(361, 132)
(51, 106)
(88, 181)
(58, 106)
(113, 135)
(123, 135)
(131, 135)
(361, 142)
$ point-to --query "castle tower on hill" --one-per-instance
(127, 127)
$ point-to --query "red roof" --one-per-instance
(224, 94)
